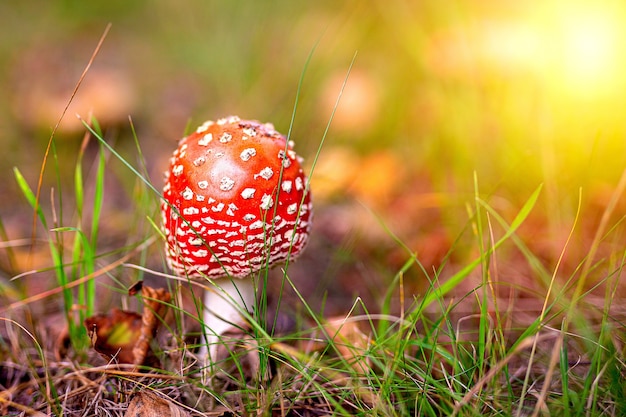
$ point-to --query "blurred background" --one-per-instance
(445, 100)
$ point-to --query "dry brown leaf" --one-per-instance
(154, 306)
(148, 404)
(113, 335)
(351, 343)
(125, 335)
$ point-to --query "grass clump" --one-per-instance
(475, 340)
(472, 344)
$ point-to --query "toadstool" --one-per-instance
(236, 201)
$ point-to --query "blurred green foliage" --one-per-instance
(447, 87)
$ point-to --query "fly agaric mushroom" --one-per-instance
(235, 202)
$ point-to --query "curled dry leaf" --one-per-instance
(351, 343)
(148, 404)
(114, 334)
(125, 335)
(154, 306)
(347, 338)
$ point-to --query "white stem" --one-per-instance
(224, 303)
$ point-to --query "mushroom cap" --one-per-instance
(235, 200)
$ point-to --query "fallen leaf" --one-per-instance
(351, 343)
(114, 335)
(154, 307)
(346, 337)
(125, 335)
(148, 404)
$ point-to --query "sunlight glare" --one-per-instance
(583, 49)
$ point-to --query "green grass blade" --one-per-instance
(95, 227)
(57, 257)
(121, 158)
(79, 189)
(457, 278)
(29, 195)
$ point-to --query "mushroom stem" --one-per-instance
(225, 301)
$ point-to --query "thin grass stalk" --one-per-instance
(48, 388)
(544, 308)
(95, 227)
(51, 142)
(290, 129)
(486, 255)
(57, 258)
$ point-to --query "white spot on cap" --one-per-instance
(283, 157)
(219, 207)
(226, 137)
(292, 208)
(249, 217)
(247, 153)
(199, 161)
(287, 186)
(190, 211)
(187, 193)
(266, 201)
(204, 141)
(203, 184)
(177, 170)
(250, 131)
(279, 223)
(200, 253)
(299, 184)
(199, 197)
(265, 173)
(247, 193)
(196, 241)
(227, 184)
(205, 126)
(231, 209)
(256, 225)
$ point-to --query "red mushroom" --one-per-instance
(235, 202)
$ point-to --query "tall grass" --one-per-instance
(433, 358)
(456, 349)
(78, 259)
